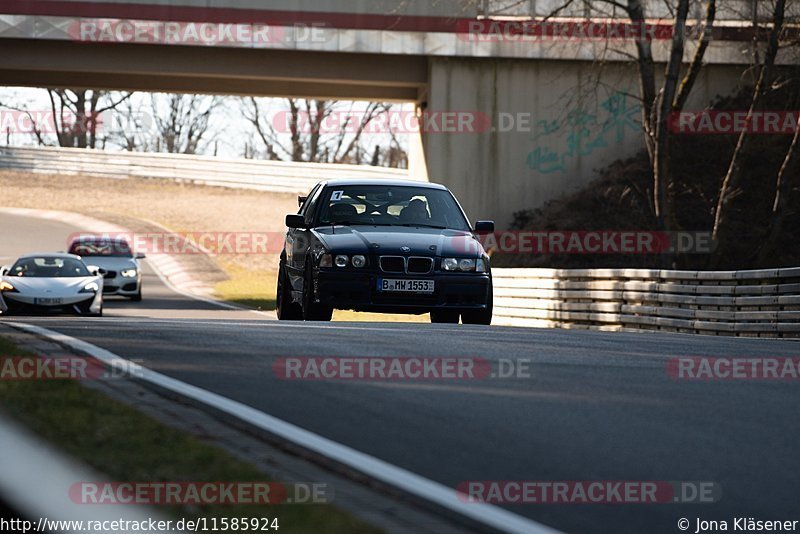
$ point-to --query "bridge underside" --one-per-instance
(196, 69)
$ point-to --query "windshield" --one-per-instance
(391, 206)
(49, 267)
(97, 247)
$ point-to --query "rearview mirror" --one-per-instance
(484, 227)
(140, 256)
(295, 221)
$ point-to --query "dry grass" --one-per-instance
(180, 207)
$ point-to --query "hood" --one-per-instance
(110, 263)
(390, 240)
(50, 287)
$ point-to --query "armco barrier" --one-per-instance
(278, 176)
(763, 303)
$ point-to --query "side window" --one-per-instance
(310, 196)
(311, 205)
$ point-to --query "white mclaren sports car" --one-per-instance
(51, 283)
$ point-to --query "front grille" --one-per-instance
(110, 289)
(412, 265)
(110, 274)
(420, 265)
(393, 264)
(129, 287)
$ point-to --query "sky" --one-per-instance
(228, 128)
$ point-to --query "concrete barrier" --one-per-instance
(277, 176)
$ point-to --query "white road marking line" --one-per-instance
(375, 468)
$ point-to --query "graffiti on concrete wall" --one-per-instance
(582, 133)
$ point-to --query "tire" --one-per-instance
(444, 316)
(484, 316)
(311, 310)
(138, 296)
(287, 310)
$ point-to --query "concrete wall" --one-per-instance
(573, 125)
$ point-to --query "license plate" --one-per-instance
(405, 286)
(48, 301)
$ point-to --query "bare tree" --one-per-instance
(321, 131)
(732, 180)
(77, 114)
(77, 117)
(184, 128)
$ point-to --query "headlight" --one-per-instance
(359, 261)
(342, 261)
(129, 273)
(91, 287)
(466, 265)
(5, 286)
(450, 264)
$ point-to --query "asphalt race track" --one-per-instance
(597, 406)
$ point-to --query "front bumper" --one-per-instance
(352, 290)
(20, 304)
(121, 285)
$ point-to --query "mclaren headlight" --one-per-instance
(91, 287)
(5, 286)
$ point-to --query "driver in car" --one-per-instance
(416, 211)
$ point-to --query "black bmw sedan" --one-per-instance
(385, 246)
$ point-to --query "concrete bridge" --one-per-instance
(560, 97)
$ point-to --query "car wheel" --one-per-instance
(287, 310)
(311, 310)
(484, 316)
(138, 296)
(444, 316)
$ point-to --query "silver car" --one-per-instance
(122, 273)
(51, 283)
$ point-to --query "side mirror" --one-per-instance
(484, 227)
(4, 270)
(95, 270)
(140, 256)
(295, 221)
(301, 201)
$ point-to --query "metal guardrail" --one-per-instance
(763, 303)
(277, 176)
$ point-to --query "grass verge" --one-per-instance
(256, 289)
(126, 445)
